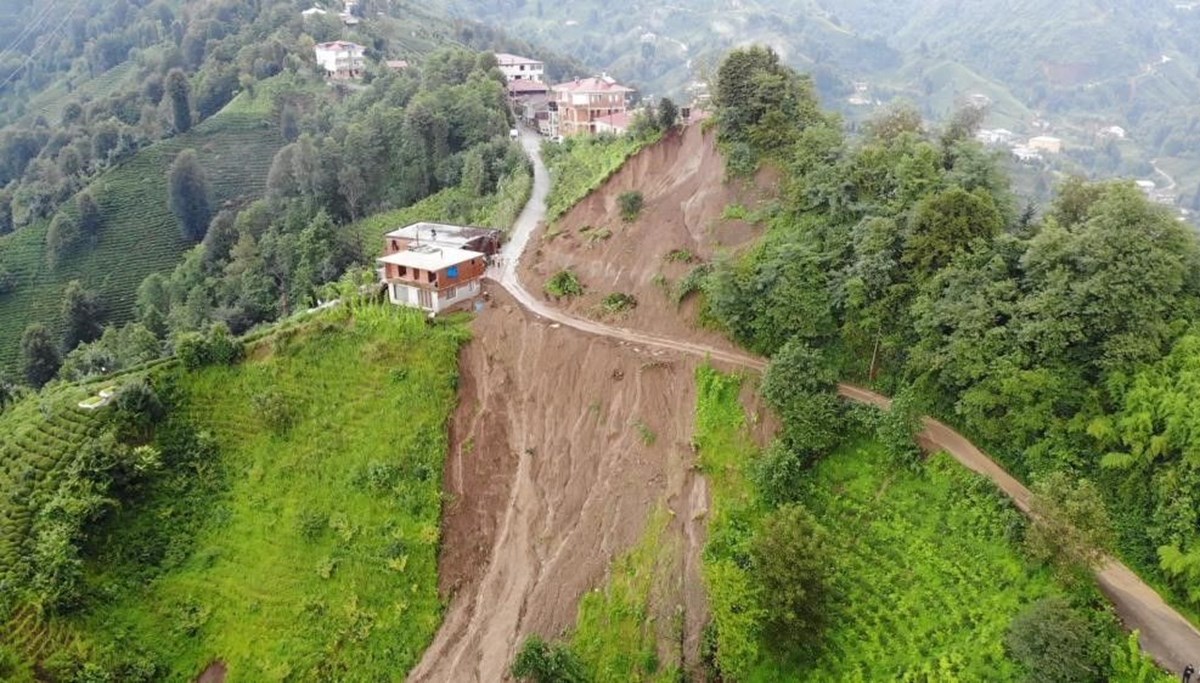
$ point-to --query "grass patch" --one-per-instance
(593, 236)
(318, 560)
(581, 164)
(680, 256)
(631, 204)
(564, 283)
(645, 434)
(617, 631)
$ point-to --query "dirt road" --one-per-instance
(1165, 634)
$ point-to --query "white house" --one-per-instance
(341, 59)
(433, 277)
(313, 12)
(1114, 132)
(516, 68)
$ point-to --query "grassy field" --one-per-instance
(140, 236)
(317, 557)
(927, 579)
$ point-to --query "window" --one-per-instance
(450, 293)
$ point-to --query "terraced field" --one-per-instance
(140, 236)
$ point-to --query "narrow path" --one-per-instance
(1165, 634)
(1170, 180)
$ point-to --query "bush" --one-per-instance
(1056, 644)
(273, 408)
(618, 302)
(631, 205)
(218, 347)
(789, 562)
(137, 409)
(564, 283)
(542, 662)
(779, 474)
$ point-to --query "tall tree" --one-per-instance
(180, 92)
(81, 316)
(188, 195)
(8, 393)
(668, 113)
(90, 220)
(39, 355)
(6, 215)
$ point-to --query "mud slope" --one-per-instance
(550, 477)
(682, 179)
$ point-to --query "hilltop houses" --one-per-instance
(517, 68)
(341, 59)
(575, 105)
(434, 266)
(1045, 143)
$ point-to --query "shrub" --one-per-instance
(542, 662)
(1055, 643)
(218, 347)
(274, 411)
(138, 409)
(679, 256)
(631, 205)
(618, 302)
(779, 474)
(564, 283)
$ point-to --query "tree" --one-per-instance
(801, 384)
(789, 561)
(668, 113)
(188, 195)
(39, 355)
(944, 224)
(289, 122)
(180, 92)
(542, 662)
(1071, 529)
(1056, 644)
(8, 393)
(81, 316)
(61, 237)
(6, 215)
(90, 220)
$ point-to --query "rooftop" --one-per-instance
(602, 84)
(440, 233)
(340, 45)
(619, 120)
(523, 87)
(397, 64)
(429, 257)
(505, 59)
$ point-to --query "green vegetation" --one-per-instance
(593, 236)
(617, 303)
(581, 164)
(306, 485)
(564, 283)
(234, 149)
(882, 525)
(631, 205)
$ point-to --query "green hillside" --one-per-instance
(305, 548)
(140, 235)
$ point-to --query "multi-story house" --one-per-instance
(517, 68)
(578, 103)
(341, 59)
(434, 266)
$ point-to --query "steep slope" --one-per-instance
(140, 235)
(562, 446)
(687, 219)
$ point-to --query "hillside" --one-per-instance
(140, 235)
(307, 546)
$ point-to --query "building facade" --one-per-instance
(341, 59)
(434, 266)
(578, 103)
(517, 68)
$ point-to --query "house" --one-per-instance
(516, 68)
(313, 12)
(1025, 154)
(1045, 143)
(575, 105)
(396, 64)
(613, 123)
(433, 266)
(1113, 132)
(998, 136)
(341, 59)
(978, 100)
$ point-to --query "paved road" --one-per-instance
(1165, 634)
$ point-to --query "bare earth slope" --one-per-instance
(682, 180)
(551, 476)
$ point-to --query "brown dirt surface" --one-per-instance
(550, 478)
(682, 180)
(213, 673)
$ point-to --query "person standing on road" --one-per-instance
(1187, 673)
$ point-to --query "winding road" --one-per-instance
(1165, 634)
